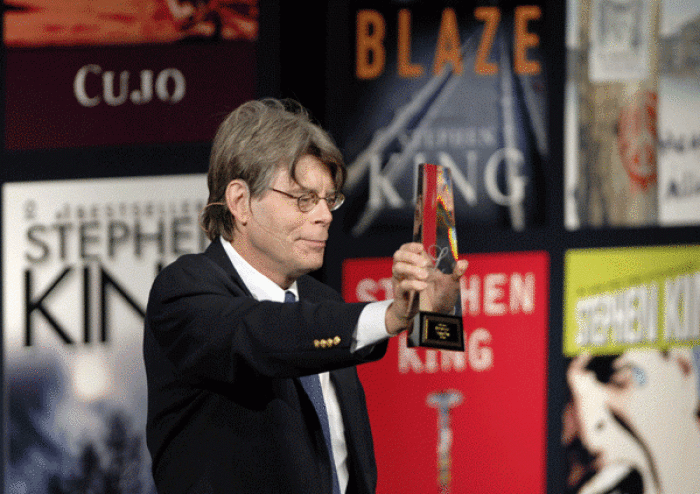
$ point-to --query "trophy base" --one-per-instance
(435, 330)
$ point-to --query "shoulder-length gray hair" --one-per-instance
(255, 140)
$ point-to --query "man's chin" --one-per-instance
(310, 264)
(315, 260)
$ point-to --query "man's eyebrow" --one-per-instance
(296, 187)
(301, 189)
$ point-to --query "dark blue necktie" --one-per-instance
(312, 386)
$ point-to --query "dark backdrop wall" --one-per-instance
(307, 52)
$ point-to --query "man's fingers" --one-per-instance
(414, 247)
(402, 271)
(460, 269)
(411, 285)
(410, 261)
(411, 266)
(412, 256)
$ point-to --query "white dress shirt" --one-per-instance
(370, 330)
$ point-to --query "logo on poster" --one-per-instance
(631, 316)
(76, 254)
(370, 56)
(92, 85)
(382, 180)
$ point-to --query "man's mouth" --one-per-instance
(315, 242)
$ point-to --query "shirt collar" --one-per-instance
(260, 286)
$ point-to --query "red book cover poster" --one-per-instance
(471, 422)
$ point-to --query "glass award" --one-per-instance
(434, 227)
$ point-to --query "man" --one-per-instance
(231, 362)
(633, 424)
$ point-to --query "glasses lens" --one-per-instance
(335, 201)
(307, 202)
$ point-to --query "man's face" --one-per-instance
(283, 242)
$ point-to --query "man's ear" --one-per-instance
(238, 200)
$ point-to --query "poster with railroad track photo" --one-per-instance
(456, 84)
(79, 258)
(631, 419)
(632, 132)
(117, 69)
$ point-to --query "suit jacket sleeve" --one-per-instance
(204, 322)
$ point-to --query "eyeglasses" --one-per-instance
(308, 201)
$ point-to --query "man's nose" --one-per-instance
(321, 212)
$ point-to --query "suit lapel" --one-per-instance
(306, 290)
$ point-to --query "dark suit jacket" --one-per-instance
(226, 412)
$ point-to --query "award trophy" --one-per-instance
(434, 227)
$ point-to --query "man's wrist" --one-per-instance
(396, 323)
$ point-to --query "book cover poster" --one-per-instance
(472, 421)
(455, 84)
(110, 72)
(632, 339)
(632, 125)
(78, 261)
